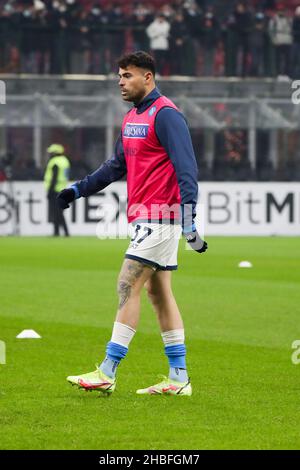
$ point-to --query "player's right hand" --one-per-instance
(65, 197)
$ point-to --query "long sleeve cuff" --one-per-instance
(76, 190)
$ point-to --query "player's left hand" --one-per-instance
(65, 197)
(196, 242)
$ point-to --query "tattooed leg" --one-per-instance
(131, 280)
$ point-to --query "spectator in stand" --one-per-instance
(61, 45)
(29, 44)
(210, 39)
(118, 25)
(193, 18)
(158, 32)
(44, 37)
(10, 38)
(242, 27)
(178, 38)
(47, 36)
(100, 39)
(229, 45)
(296, 44)
(96, 40)
(258, 41)
(168, 11)
(83, 56)
(280, 30)
(140, 20)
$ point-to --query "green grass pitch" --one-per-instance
(240, 325)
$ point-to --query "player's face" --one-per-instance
(134, 83)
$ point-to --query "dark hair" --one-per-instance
(140, 59)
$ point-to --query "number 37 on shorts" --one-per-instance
(155, 243)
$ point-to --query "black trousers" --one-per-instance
(283, 59)
(56, 215)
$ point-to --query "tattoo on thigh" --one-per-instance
(133, 270)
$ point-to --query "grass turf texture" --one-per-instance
(240, 324)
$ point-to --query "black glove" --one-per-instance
(65, 197)
(196, 242)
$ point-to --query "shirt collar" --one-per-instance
(147, 101)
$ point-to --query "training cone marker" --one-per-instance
(28, 334)
(245, 264)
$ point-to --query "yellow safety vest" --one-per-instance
(63, 165)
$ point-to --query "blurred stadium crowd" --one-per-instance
(188, 37)
(200, 38)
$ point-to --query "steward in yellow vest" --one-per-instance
(55, 179)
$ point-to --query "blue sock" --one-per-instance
(176, 356)
(179, 375)
(114, 354)
(109, 367)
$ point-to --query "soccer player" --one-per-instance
(155, 150)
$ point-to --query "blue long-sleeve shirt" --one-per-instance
(173, 133)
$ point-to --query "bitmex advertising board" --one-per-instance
(223, 209)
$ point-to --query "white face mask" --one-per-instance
(8, 8)
(56, 5)
(39, 5)
(70, 2)
(259, 16)
(141, 11)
